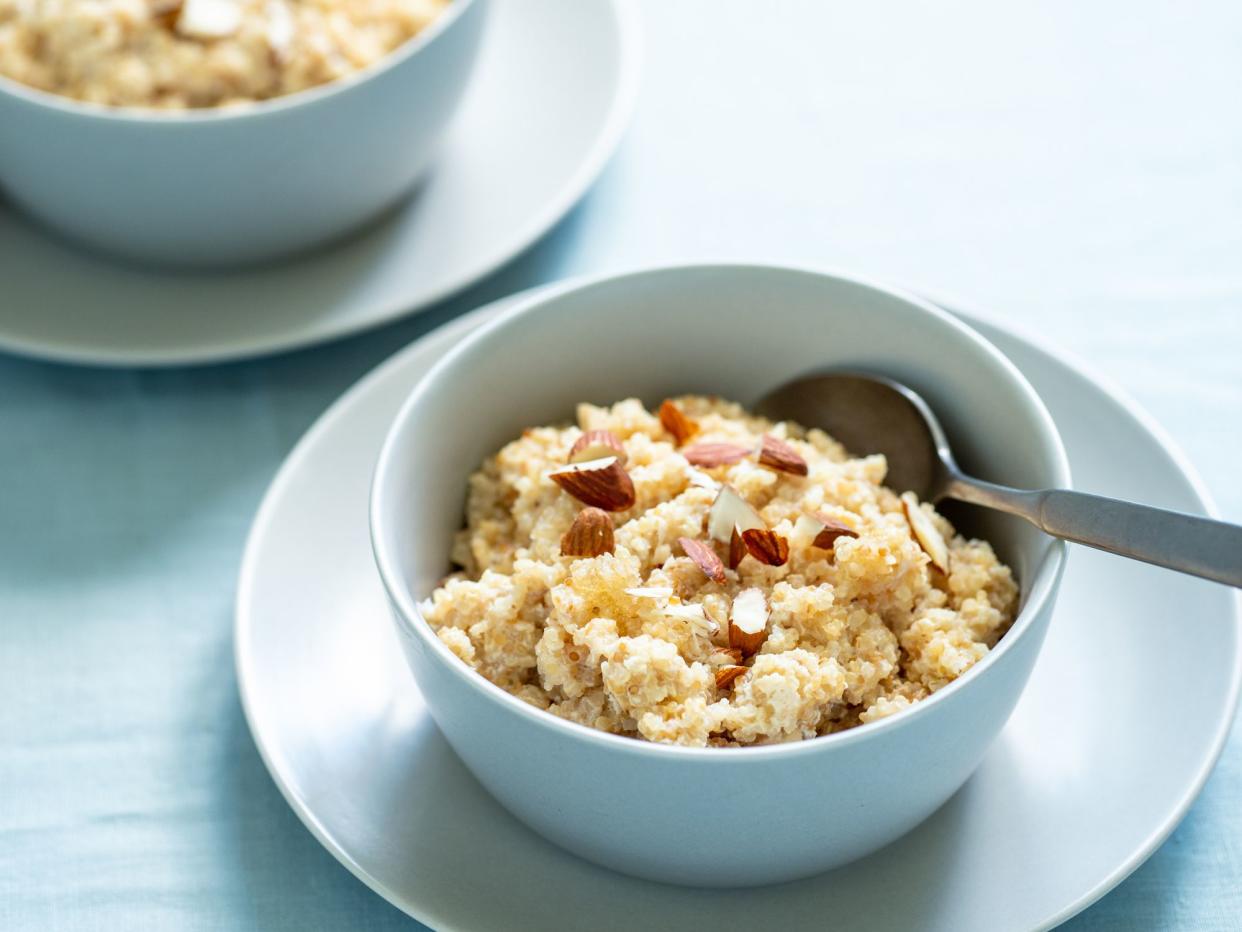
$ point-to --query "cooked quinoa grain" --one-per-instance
(630, 641)
(177, 54)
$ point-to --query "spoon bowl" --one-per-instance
(871, 413)
(875, 414)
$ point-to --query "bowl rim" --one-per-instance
(408, 615)
(153, 116)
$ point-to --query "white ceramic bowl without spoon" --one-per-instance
(715, 817)
(234, 185)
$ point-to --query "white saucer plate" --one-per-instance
(553, 91)
(1125, 715)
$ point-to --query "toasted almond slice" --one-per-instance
(832, 531)
(925, 532)
(818, 530)
(766, 546)
(676, 423)
(711, 455)
(602, 483)
(726, 675)
(725, 656)
(748, 624)
(596, 445)
(781, 456)
(589, 535)
(704, 558)
(650, 592)
(728, 512)
(737, 549)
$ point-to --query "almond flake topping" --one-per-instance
(781, 456)
(925, 532)
(280, 28)
(730, 512)
(818, 530)
(603, 483)
(209, 19)
(701, 479)
(737, 549)
(650, 592)
(766, 546)
(590, 535)
(704, 558)
(696, 616)
(676, 423)
(748, 624)
(597, 444)
(711, 455)
(726, 675)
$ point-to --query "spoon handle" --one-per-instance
(1182, 542)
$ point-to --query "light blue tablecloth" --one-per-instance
(1075, 167)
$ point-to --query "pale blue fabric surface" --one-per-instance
(1075, 168)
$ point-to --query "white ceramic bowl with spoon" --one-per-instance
(717, 817)
(244, 184)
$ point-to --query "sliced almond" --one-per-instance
(719, 625)
(596, 445)
(726, 675)
(601, 483)
(696, 616)
(728, 512)
(766, 546)
(831, 532)
(925, 532)
(725, 656)
(281, 29)
(711, 455)
(589, 535)
(704, 558)
(818, 530)
(701, 479)
(209, 19)
(805, 530)
(650, 592)
(779, 455)
(748, 623)
(737, 549)
(676, 423)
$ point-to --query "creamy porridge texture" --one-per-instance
(175, 54)
(703, 577)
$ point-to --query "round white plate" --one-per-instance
(553, 92)
(1124, 717)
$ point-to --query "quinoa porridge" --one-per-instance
(703, 577)
(176, 54)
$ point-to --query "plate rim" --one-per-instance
(573, 188)
(463, 324)
(242, 618)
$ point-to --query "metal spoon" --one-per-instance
(873, 414)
